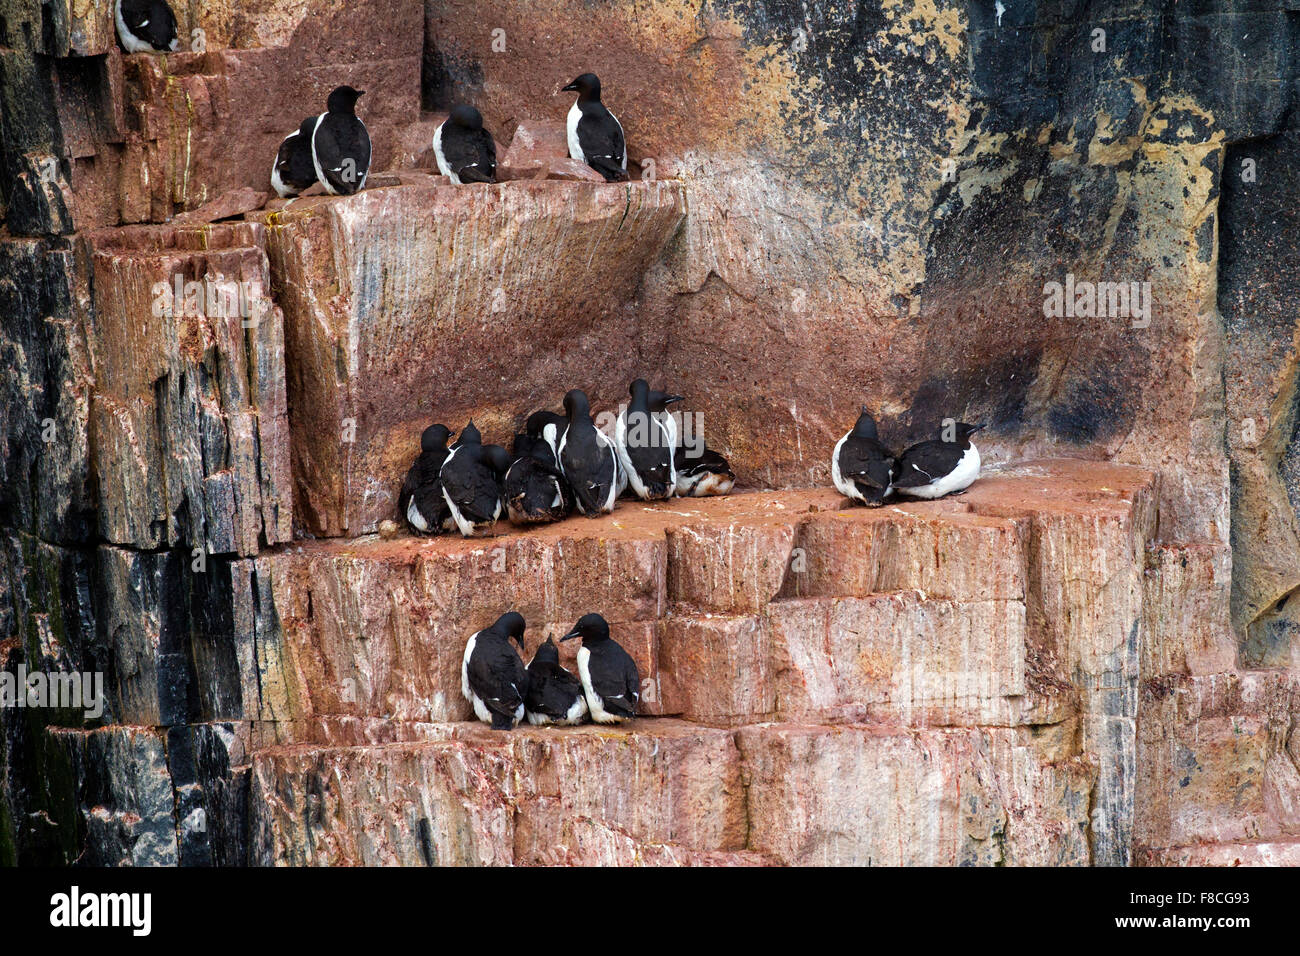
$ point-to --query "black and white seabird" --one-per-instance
(146, 25)
(645, 444)
(608, 674)
(340, 146)
(861, 467)
(492, 675)
(294, 170)
(471, 482)
(420, 502)
(588, 458)
(932, 469)
(702, 472)
(464, 149)
(595, 134)
(534, 486)
(554, 695)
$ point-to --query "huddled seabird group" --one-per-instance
(502, 692)
(558, 465)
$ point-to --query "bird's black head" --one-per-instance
(466, 116)
(307, 127)
(576, 404)
(659, 401)
(865, 426)
(511, 624)
(522, 446)
(497, 458)
(469, 435)
(434, 438)
(547, 652)
(639, 389)
(587, 87)
(539, 420)
(344, 99)
(590, 627)
(964, 431)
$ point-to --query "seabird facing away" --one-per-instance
(420, 503)
(146, 26)
(464, 149)
(340, 147)
(861, 467)
(471, 482)
(554, 695)
(595, 134)
(587, 458)
(534, 486)
(932, 469)
(609, 676)
(645, 444)
(492, 675)
(294, 171)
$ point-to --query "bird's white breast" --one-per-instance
(575, 149)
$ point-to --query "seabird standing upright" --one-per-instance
(471, 482)
(587, 458)
(609, 676)
(464, 149)
(340, 147)
(492, 675)
(534, 484)
(294, 170)
(932, 469)
(595, 134)
(420, 502)
(645, 444)
(554, 695)
(144, 26)
(861, 467)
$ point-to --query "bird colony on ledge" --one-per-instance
(560, 463)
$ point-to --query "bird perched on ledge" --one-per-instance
(294, 170)
(587, 458)
(609, 676)
(145, 26)
(420, 502)
(340, 146)
(464, 149)
(945, 466)
(861, 467)
(492, 675)
(554, 695)
(645, 443)
(595, 134)
(534, 486)
(471, 482)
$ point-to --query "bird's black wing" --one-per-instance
(551, 690)
(614, 676)
(473, 487)
(707, 461)
(601, 139)
(925, 462)
(867, 462)
(497, 676)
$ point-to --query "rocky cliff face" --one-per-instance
(1090, 658)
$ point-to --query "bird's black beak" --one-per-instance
(674, 398)
(570, 636)
(975, 428)
(571, 88)
(360, 93)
